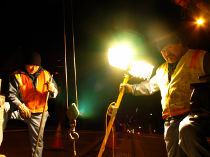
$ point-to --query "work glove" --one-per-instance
(51, 87)
(6, 106)
(127, 87)
(24, 111)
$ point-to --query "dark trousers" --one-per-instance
(33, 128)
(185, 136)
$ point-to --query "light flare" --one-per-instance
(120, 56)
(141, 69)
(200, 21)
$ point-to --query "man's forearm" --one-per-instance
(147, 87)
(142, 89)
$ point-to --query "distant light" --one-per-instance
(200, 21)
(120, 56)
(141, 69)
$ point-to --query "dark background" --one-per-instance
(94, 23)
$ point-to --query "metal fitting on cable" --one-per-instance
(72, 133)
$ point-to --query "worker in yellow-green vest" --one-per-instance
(28, 88)
(184, 131)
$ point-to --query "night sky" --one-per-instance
(40, 24)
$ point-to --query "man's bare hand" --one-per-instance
(127, 87)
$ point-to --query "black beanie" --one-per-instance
(33, 58)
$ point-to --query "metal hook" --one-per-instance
(74, 135)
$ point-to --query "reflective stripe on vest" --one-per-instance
(194, 59)
(176, 93)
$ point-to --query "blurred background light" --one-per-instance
(86, 109)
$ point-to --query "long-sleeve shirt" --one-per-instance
(14, 93)
(176, 92)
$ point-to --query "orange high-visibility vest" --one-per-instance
(34, 97)
(176, 93)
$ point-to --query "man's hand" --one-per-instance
(24, 111)
(51, 87)
(127, 87)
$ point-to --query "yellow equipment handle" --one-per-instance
(111, 121)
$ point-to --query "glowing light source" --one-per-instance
(200, 21)
(141, 69)
(120, 56)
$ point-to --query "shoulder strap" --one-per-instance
(47, 75)
(18, 77)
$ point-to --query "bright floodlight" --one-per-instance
(120, 56)
(200, 21)
(141, 69)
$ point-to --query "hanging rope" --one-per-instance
(66, 76)
(70, 111)
(74, 54)
(73, 134)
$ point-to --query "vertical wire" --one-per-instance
(75, 78)
(74, 55)
(66, 76)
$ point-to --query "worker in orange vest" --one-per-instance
(28, 88)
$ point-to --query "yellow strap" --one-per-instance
(47, 75)
(18, 77)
